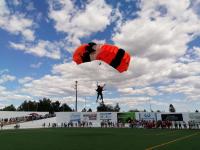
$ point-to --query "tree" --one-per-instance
(83, 110)
(56, 106)
(171, 108)
(117, 108)
(89, 110)
(28, 106)
(105, 108)
(134, 110)
(9, 108)
(32, 105)
(23, 106)
(65, 108)
(45, 105)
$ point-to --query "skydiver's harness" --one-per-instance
(99, 89)
(114, 63)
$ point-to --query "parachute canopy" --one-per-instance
(110, 54)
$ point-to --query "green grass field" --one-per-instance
(99, 139)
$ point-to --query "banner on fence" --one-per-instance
(194, 116)
(75, 117)
(105, 116)
(172, 117)
(125, 117)
(149, 116)
(89, 116)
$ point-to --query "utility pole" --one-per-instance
(76, 83)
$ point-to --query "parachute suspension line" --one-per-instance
(98, 71)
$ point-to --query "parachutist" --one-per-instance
(100, 90)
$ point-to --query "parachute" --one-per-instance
(110, 54)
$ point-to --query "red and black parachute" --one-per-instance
(110, 54)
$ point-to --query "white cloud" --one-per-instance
(4, 71)
(37, 65)
(16, 2)
(16, 23)
(2, 106)
(41, 49)
(158, 40)
(25, 80)
(6, 95)
(62, 80)
(64, 75)
(197, 51)
(30, 6)
(188, 86)
(195, 6)
(77, 22)
(99, 41)
(128, 101)
(149, 91)
(28, 34)
(158, 36)
(4, 8)
(56, 86)
(60, 84)
(6, 77)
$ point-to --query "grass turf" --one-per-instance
(99, 139)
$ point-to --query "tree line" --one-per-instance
(47, 105)
(43, 105)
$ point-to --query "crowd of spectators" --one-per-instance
(108, 124)
(131, 124)
(79, 124)
(164, 124)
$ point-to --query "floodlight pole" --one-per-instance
(76, 83)
(85, 103)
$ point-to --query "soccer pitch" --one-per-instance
(99, 139)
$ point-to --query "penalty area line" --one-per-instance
(166, 143)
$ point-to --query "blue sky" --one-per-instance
(38, 38)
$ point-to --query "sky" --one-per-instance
(38, 38)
